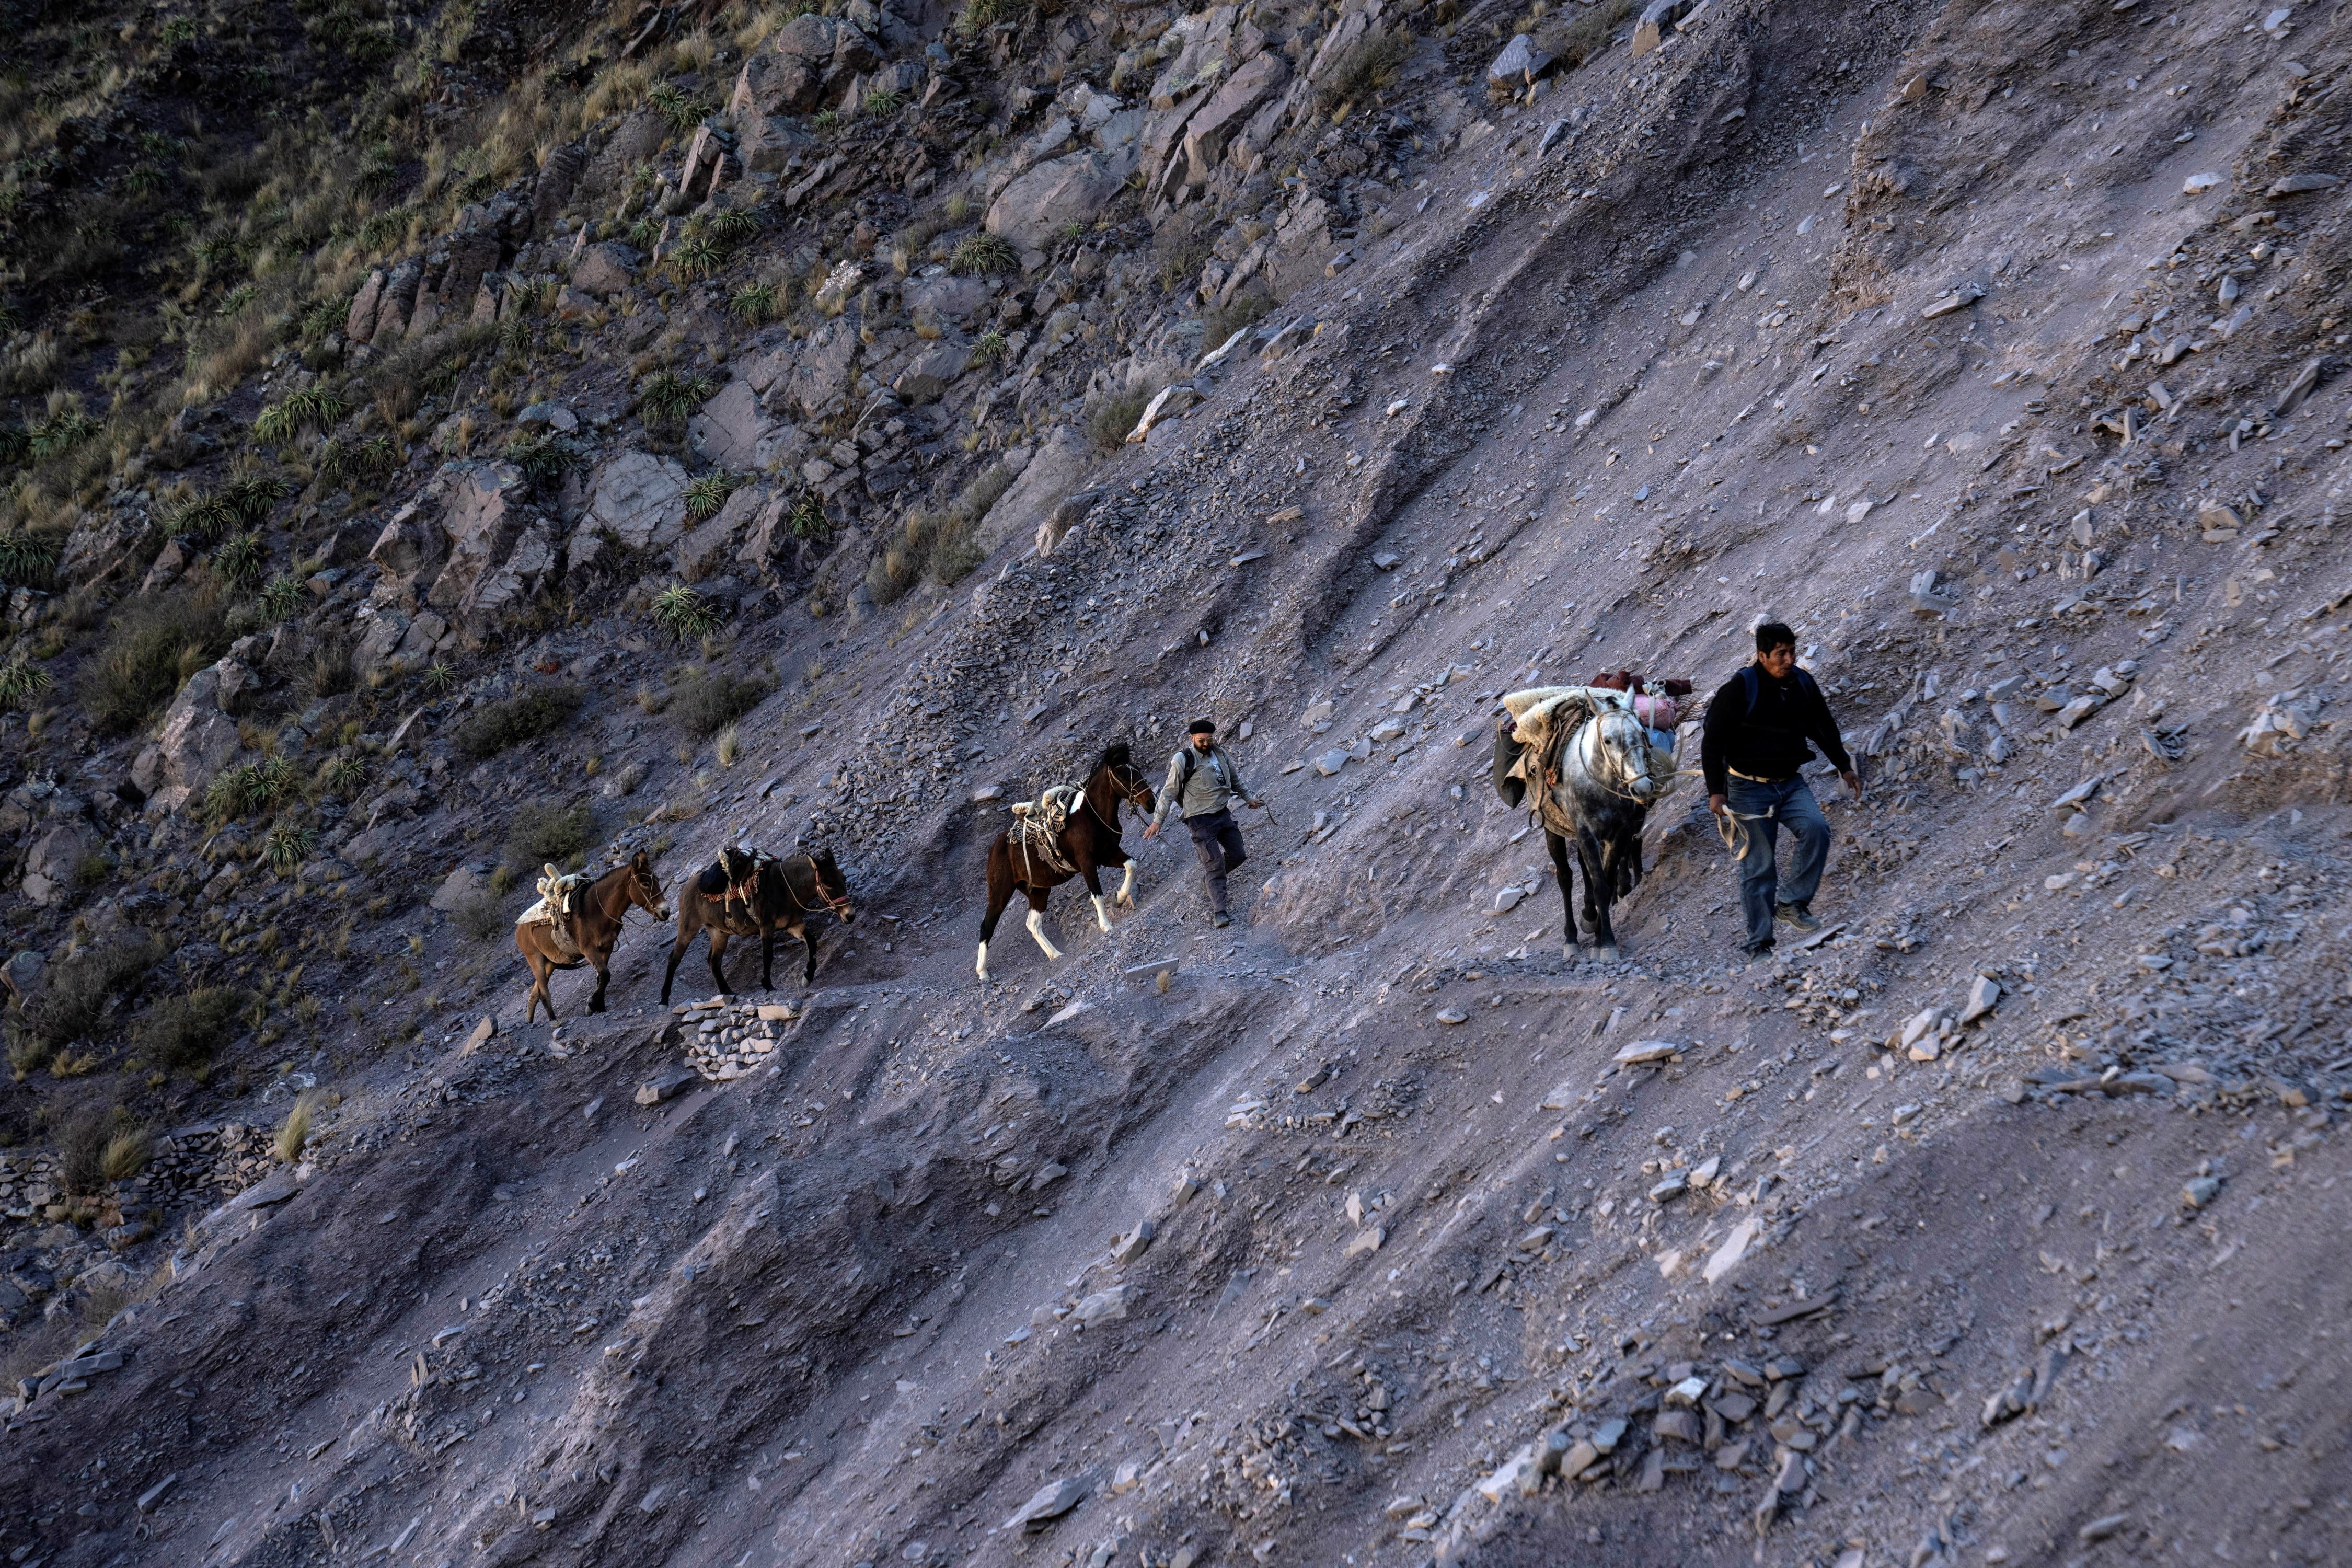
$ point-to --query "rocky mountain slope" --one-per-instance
(446, 442)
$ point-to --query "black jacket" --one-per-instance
(1769, 742)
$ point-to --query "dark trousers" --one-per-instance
(1217, 839)
(1766, 809)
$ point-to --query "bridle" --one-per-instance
(1133, 794)
(1608, 766)
(837, 908)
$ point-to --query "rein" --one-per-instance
(834, 906)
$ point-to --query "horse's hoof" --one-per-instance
(1567, 951)
(1606, 954)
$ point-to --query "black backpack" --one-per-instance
(1755, 684)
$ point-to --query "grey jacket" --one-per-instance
(1215, 780)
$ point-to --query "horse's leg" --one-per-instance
(1093, 874)
(677, 952)
(767, 953)
(1126, 887)
(538, 988)
(1560, 873)
(1036, 923)
(1600, 891)
(808, 963)
(1000, 894)
(604, 978)
(717, 949)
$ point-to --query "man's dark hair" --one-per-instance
(1201, 727)
(1772, 634)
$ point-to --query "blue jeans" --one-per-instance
(1785, 802)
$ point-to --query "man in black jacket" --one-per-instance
(1756, 739)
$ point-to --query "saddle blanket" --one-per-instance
(556, 891)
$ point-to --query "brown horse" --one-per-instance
(744, 895)
(1088, 840)
(595, 925)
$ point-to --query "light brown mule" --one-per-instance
(595, 928)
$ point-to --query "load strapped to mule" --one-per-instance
(554, 910)
(1037, 831)
(1547, 718)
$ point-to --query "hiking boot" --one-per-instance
(1797, 915)
(1221, 920)
(1760, 952)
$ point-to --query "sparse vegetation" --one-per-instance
(542, 831)
(287, 847)
(683, 615)
(250, 787)
(708, 494)
(344, 775)
(293, 1132)
(241, 560)
(314, 408)
(666, 397)
(77, 998)
(981, 253)
(125, 1155)
(728, 745)
(706, 703)
(1224, 322)
(1111, 419)
(22, 683)
(755, 302)
(543, 457)
(153, 645)
(1586, 32)
(497, 725)
(1374, 62)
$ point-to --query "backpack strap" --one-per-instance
(1755, 687)
(1191, 761)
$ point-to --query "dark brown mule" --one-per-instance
(1090, 840)
(744, 897)
(595, 926)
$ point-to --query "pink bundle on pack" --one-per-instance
(1657, 712)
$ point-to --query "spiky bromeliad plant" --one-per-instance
(705, 495)
(311, 408)
(683, 615)
(668, 398)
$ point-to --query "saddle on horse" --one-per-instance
(1532, 741)
(554, 909)
(733, 881)
(1038, 828)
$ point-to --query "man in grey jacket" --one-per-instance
(1200, 779)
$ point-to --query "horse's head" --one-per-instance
(1622, 745)
(643, 888)
(1127, 780)
(832, 885)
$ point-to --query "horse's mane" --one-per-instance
(1114, 755)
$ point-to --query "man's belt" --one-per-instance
(1758, 778)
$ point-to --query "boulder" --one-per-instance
(24, 977)
(411, 547)
(946, 300)
(359, 323)
(808, 59)
(818, 383)
(641, 499)
(53, 864)
(709, 549)
(930, 373)
(460, 888)
(1032, 209)
(486, 512)
(605, 268)
(1228, 110)
(1059, 466)
(1519, 66)
(197, 740)
(767, 143)
(733, 431)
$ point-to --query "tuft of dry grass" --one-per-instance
(294, 1131)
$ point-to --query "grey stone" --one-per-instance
(605, 268)
(1518, 65)
(641, 498)
(1031, 212)
(2201, 1191)
(1046, 1504)
(665, 1085)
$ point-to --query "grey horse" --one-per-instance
(1596, 785)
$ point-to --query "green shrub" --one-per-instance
(1226, 319)
(287, 847)
(683, 615)
(706, 495)
(251, 787)
(182, 1034)
(497, 725)
(151, 645)
(735, 226)
(705, 703)
(312, 408)
(1374, 62)
(22, 683)
(75, 1003)
(282, 597)
(241, 560)
(1111, 419)
(542, 831)
(480, 917)
(666, 397)
(28, 560)
(543, 458)
(344, 776)
(980, 252)
(754, 302)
